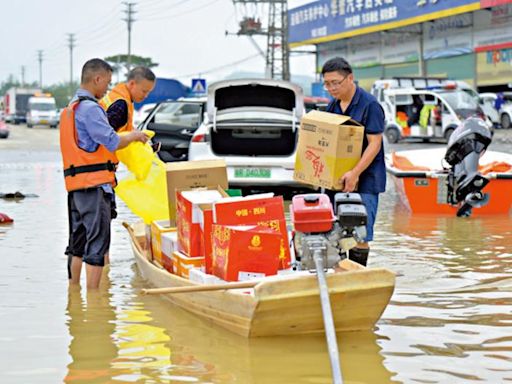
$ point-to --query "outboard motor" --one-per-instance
(465, 147)
(318, 229)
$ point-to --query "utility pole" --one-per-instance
(22, 76)
(277, 52)
(71, 45)
(129, 20)
(40, 59)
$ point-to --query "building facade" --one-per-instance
(459, 39)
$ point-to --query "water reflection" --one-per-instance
(91, 324)
(211, 354)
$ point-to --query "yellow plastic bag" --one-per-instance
(137, 156)
(147, 198)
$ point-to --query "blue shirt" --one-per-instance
(365, 109)
(93, 128)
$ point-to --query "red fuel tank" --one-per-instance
(312, 213)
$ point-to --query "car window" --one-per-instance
(183, 114)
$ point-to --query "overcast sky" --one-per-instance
(186, 37)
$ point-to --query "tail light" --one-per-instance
(199, 138)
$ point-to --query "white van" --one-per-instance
(426, 114)
(42, 110)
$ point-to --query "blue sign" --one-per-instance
(313, 22)
(199, 86)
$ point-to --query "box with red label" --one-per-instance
(189, 216)
(241, 251)
(183, 263)
(157, 229)
(206, 234)
(263, 210)
(169, 245)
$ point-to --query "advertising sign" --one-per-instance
(326, 20)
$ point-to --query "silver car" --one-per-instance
(253, 125)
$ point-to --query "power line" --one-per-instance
(222, 66)
(182, 13)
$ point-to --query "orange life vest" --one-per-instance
(83, 169)
(120, 92)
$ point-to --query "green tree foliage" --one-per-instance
(120, 62)
(62, 93)
(13, 82)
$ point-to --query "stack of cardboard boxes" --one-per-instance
(212, 238)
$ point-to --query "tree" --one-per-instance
(61, 92)
(12, 82)
(120, 62)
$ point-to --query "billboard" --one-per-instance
(326, 20)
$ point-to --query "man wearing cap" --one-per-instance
(368, 178)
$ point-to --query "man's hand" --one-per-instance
(130, 137)
(349, 181)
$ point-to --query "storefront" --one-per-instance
(460, 39)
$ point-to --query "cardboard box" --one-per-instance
(244, 252)
(189, 207)
(263, 210)
(183, 263)
(169, 245)
(193, 174)
(157, 229)
(329, 146)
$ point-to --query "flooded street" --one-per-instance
(449, 320)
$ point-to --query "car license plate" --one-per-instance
(261, 173)
(44, 121)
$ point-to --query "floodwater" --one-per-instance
(449, 321)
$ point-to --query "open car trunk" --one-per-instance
(253, 140)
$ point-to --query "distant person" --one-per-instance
(88, 143)
(500, 100)
(368, 178)
(119, 101)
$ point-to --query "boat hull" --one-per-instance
(284, 306)
(424, 191)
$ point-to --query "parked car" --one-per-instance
(253, 125)
(502, 117)
(140, 115)
(318, 103)
(174, 122)
(4, 130)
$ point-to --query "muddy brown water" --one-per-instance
(449, 320)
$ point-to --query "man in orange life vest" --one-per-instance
(119, 102)
(88, 144)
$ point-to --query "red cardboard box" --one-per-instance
(206, 234)
(189, 216)
(241, 252)
(261, 210)
(169, 245)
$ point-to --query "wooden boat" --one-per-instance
(421, 181)
(280, 305)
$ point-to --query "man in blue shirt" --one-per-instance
(368, 178)
(90, 203)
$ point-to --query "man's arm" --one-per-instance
(350, 179)
(130, 137)
(374, 128)
(117, 114)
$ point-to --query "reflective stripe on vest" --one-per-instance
(83, 169)
(120, 92)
